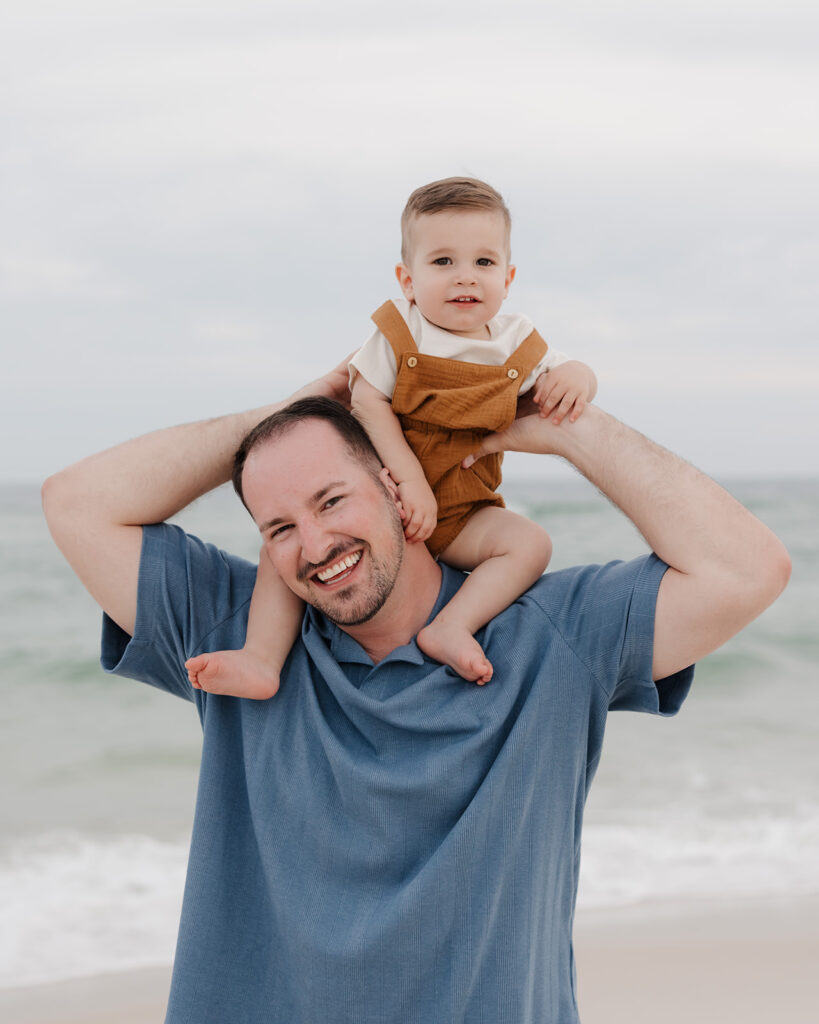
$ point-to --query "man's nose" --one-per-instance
(316, 542)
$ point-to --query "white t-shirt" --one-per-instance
(375, 360)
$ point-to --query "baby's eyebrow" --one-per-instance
(482, 253)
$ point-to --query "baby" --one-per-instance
(441, 371)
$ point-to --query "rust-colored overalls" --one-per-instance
(446, 407)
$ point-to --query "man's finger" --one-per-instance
(490, 444)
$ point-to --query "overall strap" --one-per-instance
(527, 355)
(394, 328)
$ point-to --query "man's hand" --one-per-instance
(528, 433)
(565, 390)
(420, 509)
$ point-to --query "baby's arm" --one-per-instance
(273, 624)
(373, 411)
(565, 390)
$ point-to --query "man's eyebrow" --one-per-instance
(313, 500)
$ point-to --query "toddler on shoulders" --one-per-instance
(442, 370)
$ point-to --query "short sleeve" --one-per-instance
(552, 359)
(375, 361)
(187, 590)
(606, 615)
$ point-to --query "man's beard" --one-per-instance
(352, 608)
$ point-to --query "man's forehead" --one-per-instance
(294, 467)
(302, 436)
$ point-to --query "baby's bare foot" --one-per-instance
(455, 646)
(233, 674)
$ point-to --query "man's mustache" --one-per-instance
(334, 556)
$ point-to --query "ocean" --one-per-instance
(99, 774)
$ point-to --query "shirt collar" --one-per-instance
(346, 650)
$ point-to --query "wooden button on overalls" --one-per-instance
(446, 407)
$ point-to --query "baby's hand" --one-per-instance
(420, 509)
(565, 390)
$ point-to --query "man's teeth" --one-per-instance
(339, 567)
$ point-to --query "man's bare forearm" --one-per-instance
(96, 508)
(686, 518)
(153, 477)
(726, 565)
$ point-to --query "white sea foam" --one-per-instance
(728, 860)
(75, 906)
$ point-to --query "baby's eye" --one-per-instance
(442, 261)
(484, 261)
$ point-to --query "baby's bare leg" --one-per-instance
(506, 554)
(273, 624)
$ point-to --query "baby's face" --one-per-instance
(458, 272)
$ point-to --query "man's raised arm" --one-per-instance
(726, 566)
(95, 509)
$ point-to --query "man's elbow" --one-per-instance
(50, 495)
(60, 504)
(778, 568)
(769, 574)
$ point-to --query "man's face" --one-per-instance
(331, 530)
(458, 270)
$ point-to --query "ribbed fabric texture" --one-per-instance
(388, 844)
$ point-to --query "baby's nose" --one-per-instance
(466, 273)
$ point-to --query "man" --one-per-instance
(382, 841)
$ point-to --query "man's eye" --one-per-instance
(442, 261)
(332, 501)
(277, 531)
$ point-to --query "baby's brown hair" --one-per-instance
(451, 194)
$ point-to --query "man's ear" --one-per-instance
(405, 280)
(510, 277)
(391, 487)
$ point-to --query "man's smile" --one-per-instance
(339, 570)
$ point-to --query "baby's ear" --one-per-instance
(510, 277)
(405, 280)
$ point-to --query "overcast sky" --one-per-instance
(200, 202)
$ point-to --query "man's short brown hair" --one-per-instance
(328, 410)
(451, 194)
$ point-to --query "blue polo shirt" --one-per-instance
(388, 844)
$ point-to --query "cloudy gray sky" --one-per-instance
(200, 204)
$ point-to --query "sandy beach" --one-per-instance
(753, 962)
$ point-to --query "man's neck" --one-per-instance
(407, 609)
